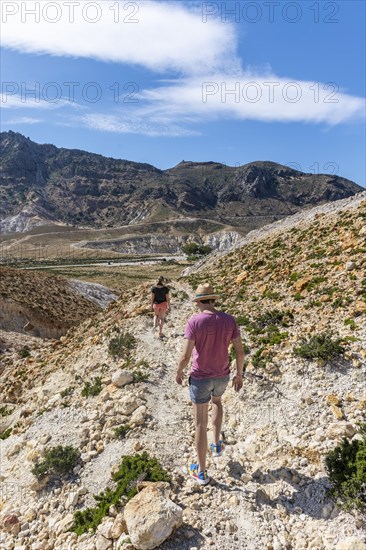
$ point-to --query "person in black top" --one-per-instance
(160, 303)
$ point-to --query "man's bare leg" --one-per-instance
(200, 420)
(216, 419)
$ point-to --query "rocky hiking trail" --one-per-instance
(245, 504)
(257, 497)
(268, 490)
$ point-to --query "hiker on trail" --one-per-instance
(160, 303)
(208, 334)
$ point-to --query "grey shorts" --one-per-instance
(201, 391)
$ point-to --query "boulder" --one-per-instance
(151, 516)
(358, 308)
(128, 404)
(240, 278)
(65, 524)
(9, 521)
(119, 526)
(138, 417)
(102, 543)
(121, 378)
(340, 429)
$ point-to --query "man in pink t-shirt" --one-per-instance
(208, 334)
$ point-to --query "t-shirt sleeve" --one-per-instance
(189, 332)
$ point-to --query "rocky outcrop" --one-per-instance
(29, 217)
(96, 293)
(163, 244)
(46, 306)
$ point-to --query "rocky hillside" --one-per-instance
(298, 291)
(42, 184)
(46, 306)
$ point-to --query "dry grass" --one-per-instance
(119, 278)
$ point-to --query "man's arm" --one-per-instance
(152, 298)
(239, 352)
(184, 360)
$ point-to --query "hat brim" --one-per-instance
(206, 297)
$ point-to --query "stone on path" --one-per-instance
(121, 378)
(151, 516)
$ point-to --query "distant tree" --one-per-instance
(195, 249)
(190, 248)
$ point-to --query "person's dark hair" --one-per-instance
(161, 280)
(207, 301)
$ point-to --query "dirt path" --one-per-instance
(169, 402)
(170, 437)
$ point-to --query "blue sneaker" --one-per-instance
(218, 449)
(201, 477)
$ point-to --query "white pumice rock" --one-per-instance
(122, 377)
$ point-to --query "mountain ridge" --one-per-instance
(76, 187)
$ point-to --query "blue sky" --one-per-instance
(159, 82)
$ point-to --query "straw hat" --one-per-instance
(205, 292)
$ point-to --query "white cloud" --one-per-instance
(10, 100)
(178, 108)
(134, 124)
(164, 36)
(211, 83)
(24, 120)
(251, 96)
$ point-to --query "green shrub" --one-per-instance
(315, 281)
(194, 249)
(274, 317)
(57, 461)
(121, 431)
(132, 470)
(4, 411)
(320, 346)
(261, 358)
(346, 465)
(121, 345)
(351, 323)
(5, 434)
(92, 388)
(272, 295)
(139, 376)
(273, 338)
(24, 352)
(66, 392)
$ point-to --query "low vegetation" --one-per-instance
(132, 470)
(120, 346)
(121, 431)
(24, 353)
(57, 461)
(4, 411)
(139, 376)
(320, 346)
(195, 249)
(93, 388)
(5, 434)
(346, 465)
